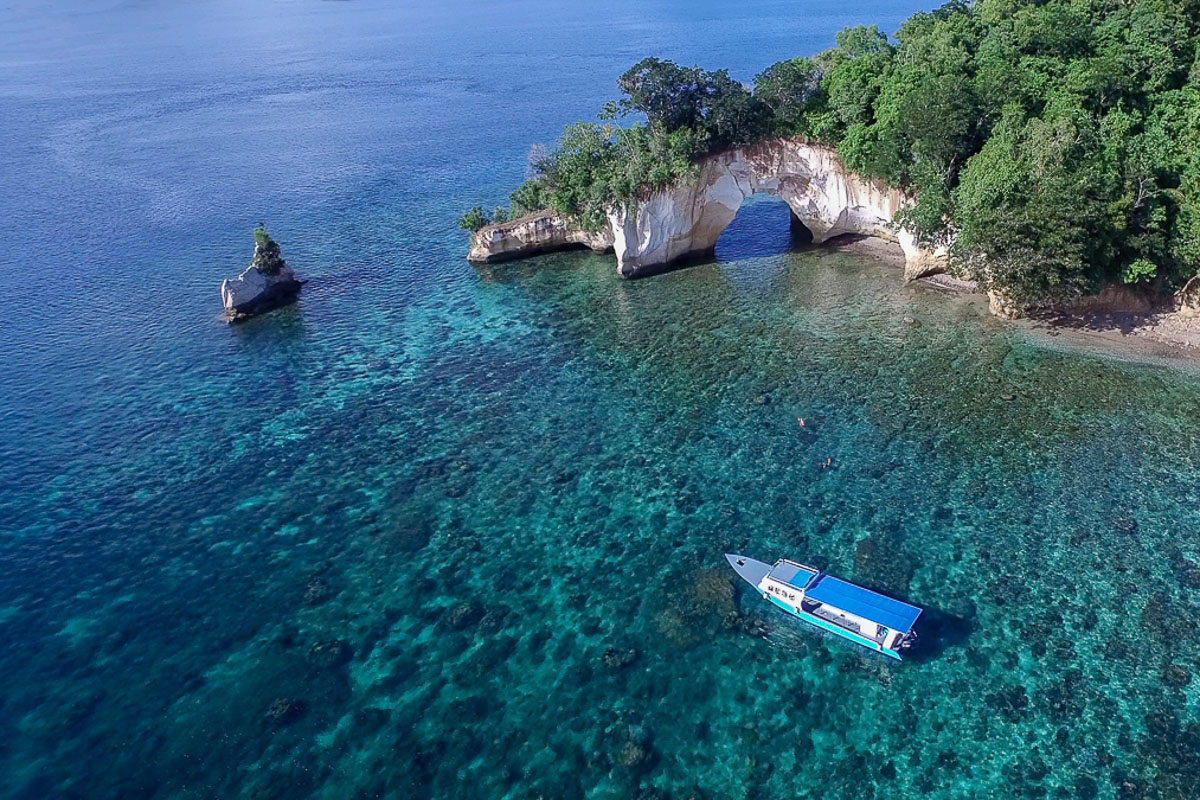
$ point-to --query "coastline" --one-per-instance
(1159, 335)
(1164, 337)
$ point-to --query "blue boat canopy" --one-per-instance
(863, 603)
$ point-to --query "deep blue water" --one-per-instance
(439, 531)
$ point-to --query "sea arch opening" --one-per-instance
(764, 225)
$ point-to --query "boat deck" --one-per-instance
(840, 607)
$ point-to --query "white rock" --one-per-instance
(253, 292)
(685, 220)
(540, 232)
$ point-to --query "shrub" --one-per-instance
(473, 220)
(532, 195)
(1140, 270)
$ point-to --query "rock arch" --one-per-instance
(683, 222)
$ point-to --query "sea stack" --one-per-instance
(267, 283)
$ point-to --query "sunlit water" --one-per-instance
(439, 531)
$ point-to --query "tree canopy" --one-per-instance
(1054, 143)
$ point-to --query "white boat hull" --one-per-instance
(873, 621)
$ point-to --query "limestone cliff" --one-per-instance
(266, 284)
(1187, 299)
(685, 220)
(540, 232)
(1115, 298)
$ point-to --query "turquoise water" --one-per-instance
(439, 531)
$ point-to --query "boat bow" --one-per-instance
(751, 571)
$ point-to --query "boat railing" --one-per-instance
(843, 622)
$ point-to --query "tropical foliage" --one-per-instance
(474, 219)
(1055, 144)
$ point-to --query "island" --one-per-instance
(1049, 155)
(266, 284)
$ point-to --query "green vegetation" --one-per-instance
(267, 258)
(474, 219)
(1054, 143)
(686, 113)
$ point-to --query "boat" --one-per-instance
(873, 620)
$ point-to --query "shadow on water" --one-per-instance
(937, 632)
(283, 323)
(763, 228)
(693, 260)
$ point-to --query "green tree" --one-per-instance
(674, 97)
(473, 220)
(1055, 142)
(532, 195)
(1140, 270)
(668, 94)
(855, 72)
(1184, 128)
(579, 178)
(1030, 209)
(791, 91)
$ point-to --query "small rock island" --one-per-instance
(266, 284)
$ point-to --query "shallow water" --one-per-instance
(439, 532)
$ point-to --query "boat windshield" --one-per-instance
(793, 574)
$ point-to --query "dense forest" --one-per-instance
(1054, 144)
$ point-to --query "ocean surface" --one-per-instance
(439, 531)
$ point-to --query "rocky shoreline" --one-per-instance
(681, 224)
(265, 285)
(1162, 333)
(533, 234)
(1117, 321)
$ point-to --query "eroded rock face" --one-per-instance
(1112, 299)
(1187, 299)
(1115, 298)
(266, 284)
(685, 220)
(540, 232)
